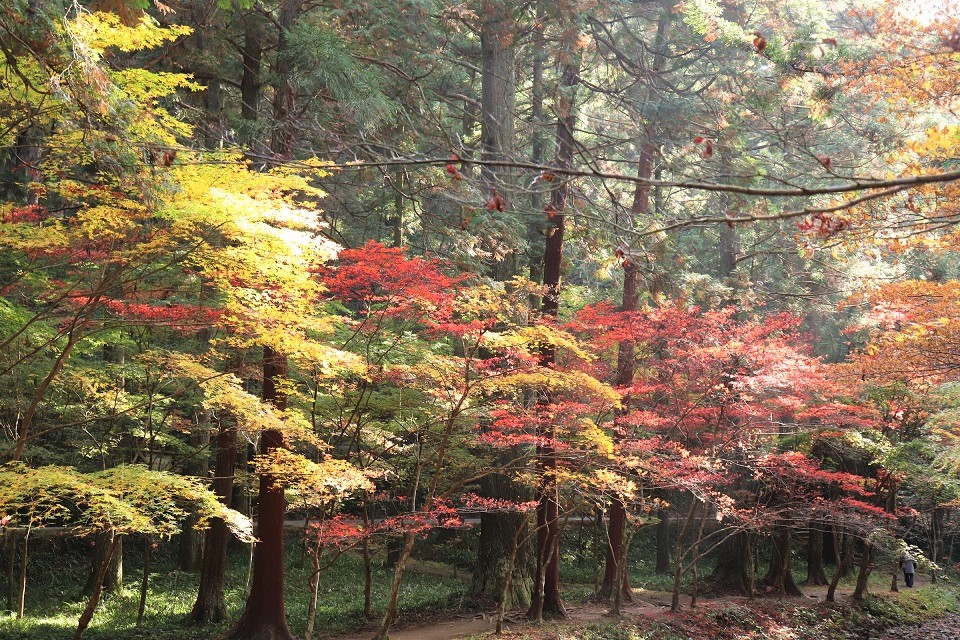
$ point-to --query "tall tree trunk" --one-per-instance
(497, 532)
(734, 569)
(546, 593)
(535, 227)
(191, 539)
(251, 57)
(284, 93)
(815, 573)
(498, 90)
(113, 578)
(264, 617)
(498, 141)
(626, 365)
(845, 552)
(663, 542)
(780, 574)
(211, 603)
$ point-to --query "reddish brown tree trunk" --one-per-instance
(844, 553)
(264, 617)
(546, 591)
(616, 554)
(617, 515)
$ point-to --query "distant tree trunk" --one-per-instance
(780, 573)
(734, 569)
(284, 93)
(264, 617)
(22, 583)
(10, 540)
(144, 580)
(678, 555)
(867, 563)
(367, 567)
(831, 554)
(191, 539)
(398, 205)
(843, 561)
(663, 542)
(99, 577)
(815, 572)
(251, 56)
(211, 603)
(546, 592)
(616, 558)
(113, 580)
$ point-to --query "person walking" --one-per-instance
(909, 565)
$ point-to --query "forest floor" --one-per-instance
(649, 616)
(434, 607)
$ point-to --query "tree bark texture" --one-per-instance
(497, 532)
(867, 563)
(780, 574)
(113, 578)
(546, 592)
(663, 542)
(815, 572)
(264, 617)
(284, 92)
(211, 603)
(734, 569)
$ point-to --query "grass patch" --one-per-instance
(53, 605)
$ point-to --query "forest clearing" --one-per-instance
(422, 319)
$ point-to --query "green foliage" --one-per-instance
(126, 499)
(912, 606)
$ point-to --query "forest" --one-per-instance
(596, 320)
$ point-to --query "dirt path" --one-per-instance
(647, 605)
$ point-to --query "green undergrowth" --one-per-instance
(53, 604)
